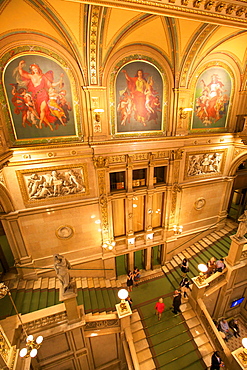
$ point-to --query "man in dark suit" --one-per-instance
(176, 301)
(216, 361)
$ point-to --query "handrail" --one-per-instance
(51, 268)
(195, 236)
(129, 339)
(213, 333)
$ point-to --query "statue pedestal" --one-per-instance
(235, 250)
(69, 299)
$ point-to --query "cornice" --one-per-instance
(231, 13)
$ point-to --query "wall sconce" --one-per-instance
(32, 345)
(183, 112)
(150, 236)
(123, 308)
(98, 112)
(202, 277)
(131, 241)
(243, 355)
(109, 245)
(177, 229)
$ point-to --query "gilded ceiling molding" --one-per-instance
(223, 12)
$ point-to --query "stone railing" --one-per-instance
(213, 334)
(215, 279)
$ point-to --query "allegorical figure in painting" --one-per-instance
(45, 103)
(211, 105)
(139, 99)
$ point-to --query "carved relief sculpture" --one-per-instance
(206, 163)
(53, 183)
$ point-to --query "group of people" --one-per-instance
(133, 278)
(214, 265)
(228, 329)
(177, 296)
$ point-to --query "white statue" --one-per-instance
(62, 267)
(242, 227)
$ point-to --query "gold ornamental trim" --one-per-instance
(217, 12)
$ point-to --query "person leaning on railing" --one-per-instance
(220, 265)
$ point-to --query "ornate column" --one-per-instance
(101, 164)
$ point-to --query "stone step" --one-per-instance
(147, 365)
(138, 335)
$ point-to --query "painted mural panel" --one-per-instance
(39, 97)
(211, 103)
(139, 98)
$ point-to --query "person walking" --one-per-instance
(130, 282)
(185, 266)
(185, 286)
(216, 361)
(159, 308)
(129, 300)
(176, 302)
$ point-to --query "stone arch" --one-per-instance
(236, 162)
(6, 200)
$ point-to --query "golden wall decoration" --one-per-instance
(53, 183)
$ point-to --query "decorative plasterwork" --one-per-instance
(53, 183)
(199, 203)
(94, 35)
(221, 12)
(205, 163)
(193, 52)
(102, 324)
(65, 232)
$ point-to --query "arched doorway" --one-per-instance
(7, 261)
(238, 198)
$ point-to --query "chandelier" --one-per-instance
(32, 345)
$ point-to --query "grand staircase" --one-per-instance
(176, 341)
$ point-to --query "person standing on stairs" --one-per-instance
(185, 286)
(130, 281)
(216, 361)
(176, 301)
(129, 300)
(159, 308)
(185, 266)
